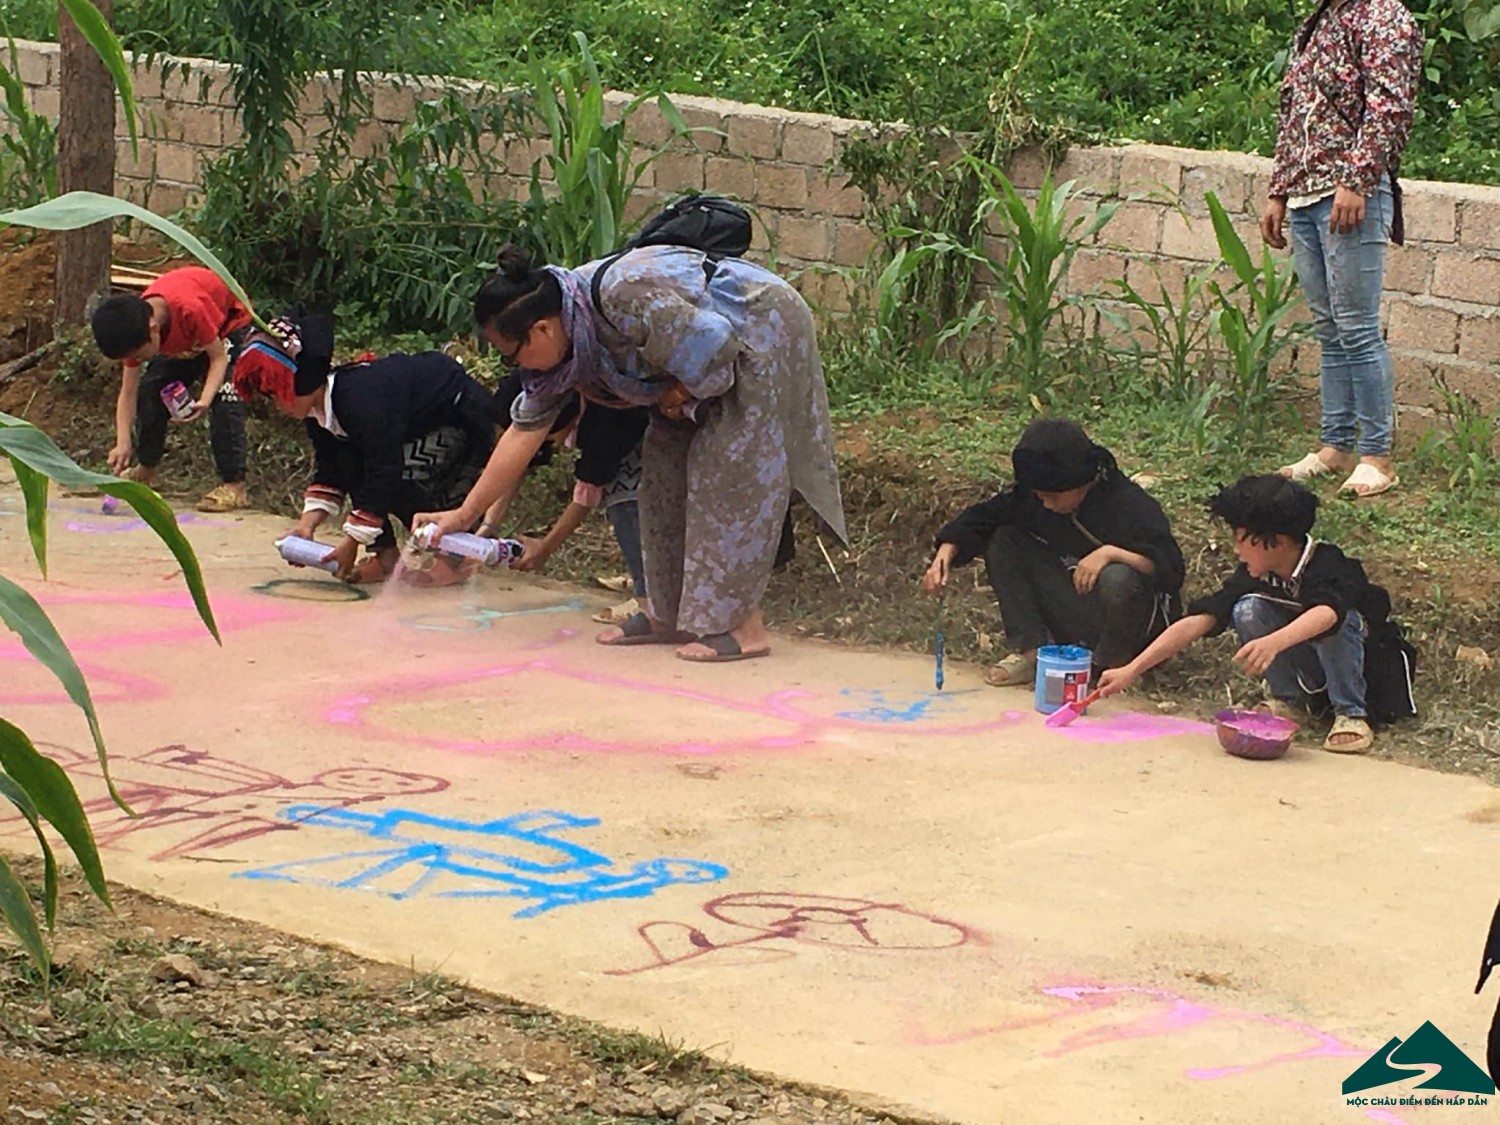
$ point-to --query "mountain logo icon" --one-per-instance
(1425, 1048)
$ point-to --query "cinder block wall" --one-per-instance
(1441, 289)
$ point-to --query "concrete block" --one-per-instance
(1479, 339)
(806, 144)
(807, 239)
(1146, 171)
(1481, 223)
(1427, 328)
(781, 185)
(1430, 216)
(730, 175)
(1466, 277)
(1096, 170)
(1408, 269)
(679, 171)
(853, 243)
(757, 136)
(1184, 236)
(830, 193)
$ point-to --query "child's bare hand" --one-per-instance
(1112, 681)
(1086, 573)
(1254, 657)
(534, 555)
(119, 458)
(346, 554)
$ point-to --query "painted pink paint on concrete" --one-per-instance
(1131, 726)
(1173, 1015)
(779, 706)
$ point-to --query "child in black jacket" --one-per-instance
(1075, 550)
(396, 436)
(1300, 608)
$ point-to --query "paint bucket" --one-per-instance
(1062, 675)
(178, 400)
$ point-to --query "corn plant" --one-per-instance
(1041, 241)
(28, 146)
(34, 784)
(592, 161)
(1250, 319)
(1179, 331)
(1464, 443)
(37, 786)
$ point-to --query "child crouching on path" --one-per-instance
(1300, 609)
(1077, 553)
(180, 328)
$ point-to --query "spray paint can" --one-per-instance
(307, 552)
(490, 552)
(178, 400)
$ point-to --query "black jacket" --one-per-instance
(1326, 576)
(1117, 512)
(386, 403)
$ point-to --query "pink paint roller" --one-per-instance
(1070, 711)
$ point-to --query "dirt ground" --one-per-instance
(161, 1013)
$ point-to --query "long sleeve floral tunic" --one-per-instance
(1347, 99)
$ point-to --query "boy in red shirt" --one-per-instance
(180, 328)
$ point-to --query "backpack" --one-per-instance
(1390, 662)
(716, 226)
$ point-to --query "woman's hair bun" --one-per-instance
(515, 263)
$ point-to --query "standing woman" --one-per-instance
(726, 355)
(1346, 112)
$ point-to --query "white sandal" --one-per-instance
(1366, 480)
(1346, 724)
(1306, 469)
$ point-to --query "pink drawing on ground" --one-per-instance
(1171, 1015)
(1131, 726)
(828, 920)
(219, 801)
(230, 613)
(803, 727)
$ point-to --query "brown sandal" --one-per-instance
(638, 629)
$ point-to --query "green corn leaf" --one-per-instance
(11, 790)
(28, 446)
(55, 799)
(84, 208)
(15, 909)
(95, 28)
(1230, 243)
(21, 613)
(34, 491)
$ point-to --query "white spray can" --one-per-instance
(490, 552)
(307, 552)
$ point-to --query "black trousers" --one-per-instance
(226, 416)
(1038, 604)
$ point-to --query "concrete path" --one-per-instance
(814, 864)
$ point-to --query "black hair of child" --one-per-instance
(516, 296)
(121, 324)
(1265, 507)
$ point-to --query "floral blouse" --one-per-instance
(1347, 99)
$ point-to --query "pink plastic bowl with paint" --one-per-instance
(1254, 734)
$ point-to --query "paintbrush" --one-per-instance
(1070, 711)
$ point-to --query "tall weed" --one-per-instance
(28, 145)
(1463, 443)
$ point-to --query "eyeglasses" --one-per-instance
(512, 358)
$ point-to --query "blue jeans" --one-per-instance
(1342, 276)
(1334, 664)
(625, 519)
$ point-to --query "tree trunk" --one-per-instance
(85, 162)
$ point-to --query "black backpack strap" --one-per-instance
(596, 283)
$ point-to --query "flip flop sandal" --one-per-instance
(1310, 466)
(1372, 480)
(638, 630)
(223, 499)
(1013, 671)
(441, 573)
(613, 615)
(1345, 724)
(725, 650)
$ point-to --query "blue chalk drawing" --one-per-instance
(447, 858)
(905, 708)
(475, 618)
